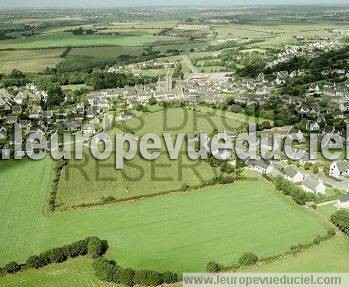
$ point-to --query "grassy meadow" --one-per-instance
(176, 231)
(29, 60)
(64, 39)
(330, 256)
(106, 52)
(77, 272)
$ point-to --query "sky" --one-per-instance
(4, 4)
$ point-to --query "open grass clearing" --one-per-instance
(330, 256)
(64, 39)
(29, 60)
(74, 272)
(179, 233)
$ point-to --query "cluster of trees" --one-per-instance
(109, 271)
(297, 194)
(334, 59)
(102, 80)
(82, 31)
(91, 246)
(15, 78)
(178, 73)
(341, 219)
(55, 95)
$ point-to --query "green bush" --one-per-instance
(248, 258)
(169, 277)
(12, 267)
(185, 187)
(33, 262)
(341, 219)
(331, 232)
(213, 267)
(125, 276)
(147, 278)
(95, 247)
(105, 271)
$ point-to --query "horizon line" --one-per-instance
(170, 6)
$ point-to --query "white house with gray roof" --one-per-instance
(339, 169)
(313, 185)
(293, 175)
(260, 165)
(343, 202)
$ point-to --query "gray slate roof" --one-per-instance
(290, 171)
(259, 162)
(342, 166)
(311, 182)
(344, 198)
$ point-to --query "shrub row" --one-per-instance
(341, 219)
(221, 179)
(296, 193)
(90, 246)
(108, 271)
(60, 164)
(247, 259)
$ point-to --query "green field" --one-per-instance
(106, 52)
(329, 256)
(63, 39)
(140, 177)
(77, 273)
(180, 232)
(29, 60)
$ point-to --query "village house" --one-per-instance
(343, 202)
(88, 129)
(293, 175)
(313, 185)
(47, 114)
(71, 126)
(125, 116)
(11, 119)
(35, 112)
(3, 133)
(339, 169)
(313, 126)
(260, 165)
(18, 99)
(16, 109)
